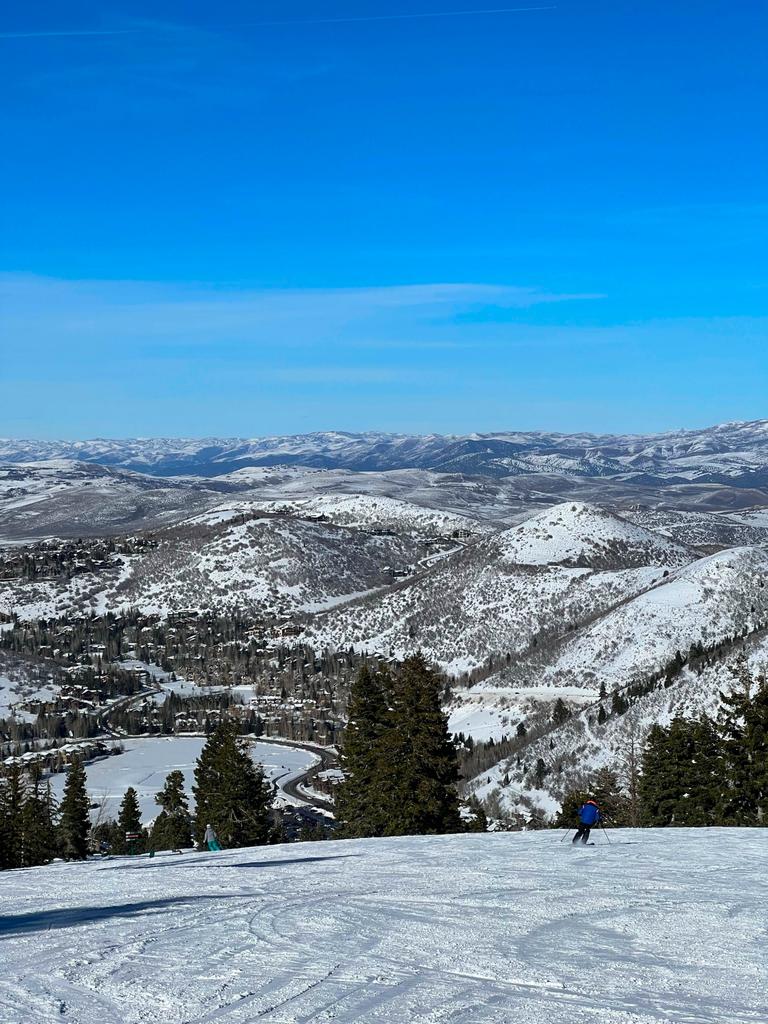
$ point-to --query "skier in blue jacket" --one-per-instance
(589, 815)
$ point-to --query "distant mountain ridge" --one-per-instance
(731, 453)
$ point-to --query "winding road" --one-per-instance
(308, 806)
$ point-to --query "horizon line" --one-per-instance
(385, 433)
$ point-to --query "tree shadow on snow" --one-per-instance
(212, 860)
(68, 917)
(293, 860)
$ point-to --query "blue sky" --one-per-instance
(272, 217)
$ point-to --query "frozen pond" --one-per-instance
(146, 762)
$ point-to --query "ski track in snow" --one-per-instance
(662, 925)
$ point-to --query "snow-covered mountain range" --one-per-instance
(569, 594)
(727, 453)
(529, 567)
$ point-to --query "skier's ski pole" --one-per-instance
(566, 833)
(605, 834)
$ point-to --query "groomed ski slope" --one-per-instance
(662, 925)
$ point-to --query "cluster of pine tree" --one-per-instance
(706, 772)
(32, 830)
(171, 830)
(231, 791)
(400, 765)
(27, 833)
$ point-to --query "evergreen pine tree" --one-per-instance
(11, 813)
(560, 712)
(231, 791)
(6, 855)
(744, 732)
(173, 826)
(74, 824)
(540, 772)
(619, 703)
(607, 793)
(418, 783)
(477, 821)
(129, 823)
(37, 827)
(358, 798)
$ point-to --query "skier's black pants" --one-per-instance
(582, 833)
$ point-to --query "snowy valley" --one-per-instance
(318, 563)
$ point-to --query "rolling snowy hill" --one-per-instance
(60, 498)
(575, 749)
(231, 559)
(473, 929)
(584, 535)
(511, 592)
(371, 512)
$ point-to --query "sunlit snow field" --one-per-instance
(662, 925)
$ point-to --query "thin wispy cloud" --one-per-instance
(196, 315)
(149, 27)
(405, 16)
(69, 33)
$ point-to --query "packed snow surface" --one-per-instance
(475, 929)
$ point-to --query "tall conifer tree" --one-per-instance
(129, 823)
(74, 824)
(419, 770)
(173, 826)
(38, 831)
(11, 817)
(231, 792)
(358, 798)
(744, 731)
(5, 836)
